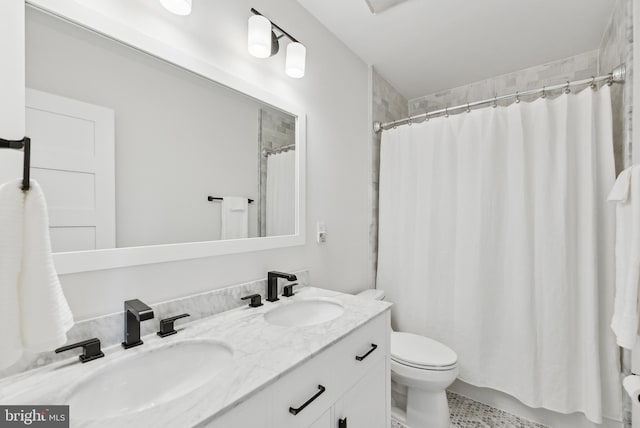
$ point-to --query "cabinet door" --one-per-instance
(324, 421)
(304, 395)
(365, 405)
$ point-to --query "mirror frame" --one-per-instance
(92, 260)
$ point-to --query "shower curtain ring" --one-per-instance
(517, 97)
(593, 83)
(495, 101)
(409, 121)
(567, 89)
(610, 80)
(446, 112)
(544, 92)
(426, 117)
(468, 108)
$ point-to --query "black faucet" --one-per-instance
(90, 349)
(287, 290)
(134, 312)
(167, 325)
(272, 284)
(255, 302)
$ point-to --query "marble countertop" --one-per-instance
(262, 354)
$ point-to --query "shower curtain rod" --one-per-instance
(616, 76)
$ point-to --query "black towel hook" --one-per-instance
(25, 146)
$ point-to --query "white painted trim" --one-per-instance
(83, 261)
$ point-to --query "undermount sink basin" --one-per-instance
(149, 378)
(302, 313)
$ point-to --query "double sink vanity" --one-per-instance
(315, 359)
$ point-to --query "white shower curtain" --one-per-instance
(281, 194)
(496, 239)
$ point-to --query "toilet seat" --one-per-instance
(425, 367)
(421, 352)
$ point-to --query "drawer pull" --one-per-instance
(342, 423)
(321, 389)
(362, 357)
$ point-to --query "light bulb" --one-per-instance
(259, 37)
(179, 7)
(296, 57)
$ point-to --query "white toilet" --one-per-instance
(426, 367)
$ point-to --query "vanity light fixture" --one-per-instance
(260, 40)
(179, 7)
(296, 55)
(263, 42)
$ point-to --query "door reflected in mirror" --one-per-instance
(133, 151)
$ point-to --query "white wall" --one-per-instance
(179, 137)
(12, 119)
(334, 94)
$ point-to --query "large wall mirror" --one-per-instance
(135, 152)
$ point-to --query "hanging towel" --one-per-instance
(11, 214)
(35, 313)
(235, 217)
(626, 194)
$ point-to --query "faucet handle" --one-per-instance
(256, 300)
(287, 291)
(90, 349)
(166, 325)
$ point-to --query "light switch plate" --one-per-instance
(322, 233)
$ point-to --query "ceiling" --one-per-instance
(425, 46)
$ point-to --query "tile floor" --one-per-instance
(466, 413)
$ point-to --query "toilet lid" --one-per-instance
(421, 351)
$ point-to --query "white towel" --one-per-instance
(37, 313)
(626, 194)
(235, 217)
(11, 214)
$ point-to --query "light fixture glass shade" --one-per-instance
(296, 58)
(259, 38)
(179, 7)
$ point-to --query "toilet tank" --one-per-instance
(373, 294)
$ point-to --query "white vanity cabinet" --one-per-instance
(332, 385)
(360, 407)
(253, 413)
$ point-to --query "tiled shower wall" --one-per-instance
(617, 48)
(577, 67)
(387, 105)
(277, 129)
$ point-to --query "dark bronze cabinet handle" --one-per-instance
(362, 357)
(321, 389)
(342, 423)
